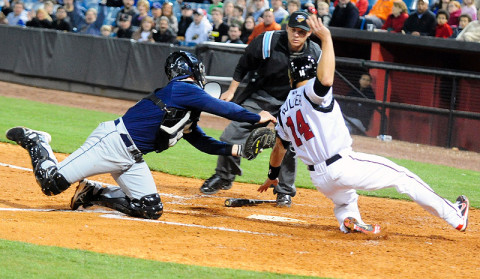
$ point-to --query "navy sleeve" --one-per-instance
(193, 97)
(207, 144)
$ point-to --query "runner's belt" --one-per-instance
(328, 162)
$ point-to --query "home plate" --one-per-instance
(275, 218)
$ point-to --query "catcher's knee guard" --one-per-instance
(148, 207)
(50, 180)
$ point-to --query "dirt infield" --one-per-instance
(198, 229)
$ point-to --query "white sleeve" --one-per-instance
(324, 101)
(280, 132)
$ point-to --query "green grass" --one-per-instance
(70, 127)
(23, 260)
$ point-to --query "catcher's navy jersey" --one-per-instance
(144, 118)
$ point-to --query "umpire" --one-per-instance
(266, 59)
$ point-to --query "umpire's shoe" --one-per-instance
(25, 137)
(84, 194)
(214, 184)
(284, 200)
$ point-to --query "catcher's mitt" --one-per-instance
(258, 139)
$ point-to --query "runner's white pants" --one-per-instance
(359, 171)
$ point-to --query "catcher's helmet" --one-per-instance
(183, 63)
(302, 68)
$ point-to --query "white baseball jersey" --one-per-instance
(301, 120)
(316, 128)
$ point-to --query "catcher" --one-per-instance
(155, 123)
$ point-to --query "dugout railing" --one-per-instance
(417, 104)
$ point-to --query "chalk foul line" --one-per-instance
(114, 215)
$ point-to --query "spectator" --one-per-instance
(259, 7)
(442, 4)
(362, 6)
(268, 24)
(422, 22)
(106, 31)
(345, 15)
(164, 33)
(129, 9)
(358, 115)
(278, 11)
(185, 20)
(93, 21)
(75, 13)
(3, 18)
(463, 22)
(471, 33)
(247, 29)
(167, 10)
(379, 13)
(323, 12)
(125, 27)
(146, 31)
(156, 11)
(443, 30)
(219, 32)
(49, 8)
(237, 16)
(469, 8)
(234, 34)
(6, 8)
(19, 16)
(215, 4)
(41, 20)
(228, 8)
(316, 2)
(455, 11)
(243, 4)
(143, 8)
(62, 22)
(292, 6)
(200, 28)
(251, 7)
(396, 20)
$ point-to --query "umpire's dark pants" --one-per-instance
(237, 132)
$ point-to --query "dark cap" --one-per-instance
(186, 7)
(125, 17)
(156, 5)
(298, 19)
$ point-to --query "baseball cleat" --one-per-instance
(83, 195)
(284, 200)
(214, 184)
(353, 225)
(21, 135)
(463, 205)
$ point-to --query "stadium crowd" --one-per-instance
(239, 21)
